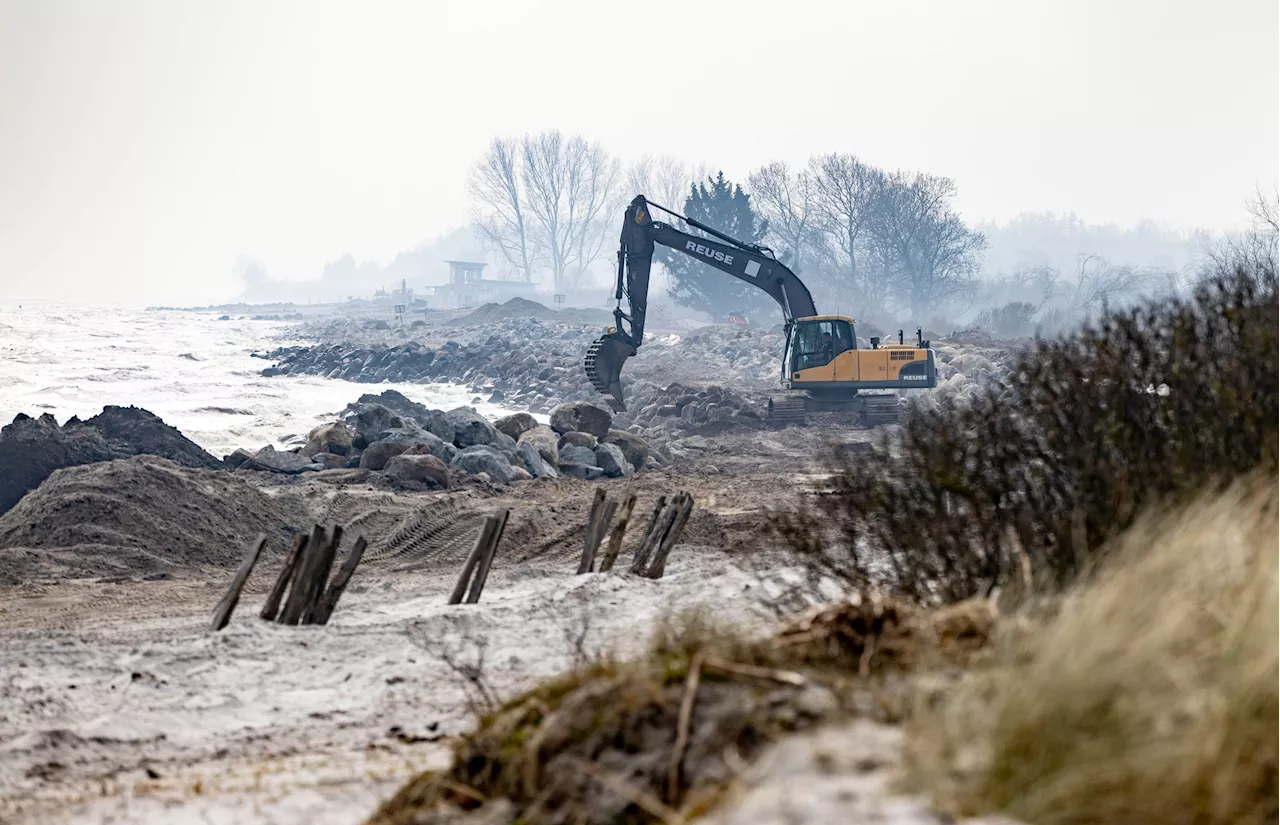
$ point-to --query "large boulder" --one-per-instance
(634, 448)
(369, 420)
(470, 428)
(328, 438)
(377, 454)
(271, 460)
(581, 417)
(586, 472)
(132, 431)
(610, 459)
(439, 425)
(534, 463)
(425, 469)
(572, 454)
(32, 448)
(578, 440)
(481, 458)
(545, 441)
(420, 441)
(515, 425)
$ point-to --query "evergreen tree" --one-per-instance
(726, 208)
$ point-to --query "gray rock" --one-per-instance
(239, 456)
(377, 454)
(583, 417)
(425, 469)
(481, 458)
(610, 459)
(633, 447)
(586, 472)
(368, 420)
(328, 438)
(470, 428)
(578, 455)
(694, 442)
(519, 473)
(269, 460)
(578, 440)
(545, 440)
(533, 461)
(438, 424)
(515, 425)
(329, 461)
(506, 444)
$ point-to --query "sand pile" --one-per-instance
(523, 308)
(135, 516)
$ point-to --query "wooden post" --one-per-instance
(615, 538)
(477, 552)
(339, 583)
(272, 603)
(222, 613)
(640, 558)
(593, 527)
(297, 600)
(683, 509)
(499, 518)
(320, 575)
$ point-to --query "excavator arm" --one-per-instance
(752, 264)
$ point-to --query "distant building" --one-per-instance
(468, 287)
(403, 295)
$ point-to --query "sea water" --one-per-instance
(191, 369)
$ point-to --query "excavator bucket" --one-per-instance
(604, 363)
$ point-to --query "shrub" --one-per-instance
(1151, 697)
(1034, 471)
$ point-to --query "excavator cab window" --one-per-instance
(817, 342)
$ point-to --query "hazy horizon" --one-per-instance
(146, 146)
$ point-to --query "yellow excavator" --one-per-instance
(823, 369)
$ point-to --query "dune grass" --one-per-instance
(1150, 696)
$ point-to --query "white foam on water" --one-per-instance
(189, 368)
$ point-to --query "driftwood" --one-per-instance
(477, 552)
(641, 558)
(681, 508)
(499, 518)
(593, 528)
(272, 604)
(222, 613)
(339, 583)
(320, 576)
(619, 531)
(295, 603)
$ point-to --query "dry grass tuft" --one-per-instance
(1150, 697)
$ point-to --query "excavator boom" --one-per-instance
(640, 232)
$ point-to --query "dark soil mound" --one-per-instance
(524, 308)
(32, 448)
(135, 516)
(135, 431)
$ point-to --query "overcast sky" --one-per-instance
(144, 145)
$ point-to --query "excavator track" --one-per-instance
(879, 409)
(787, 411)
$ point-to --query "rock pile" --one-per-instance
(32, 448)
(413, 444)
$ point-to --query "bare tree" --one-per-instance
(845, 195)
(1256, 250)
(570, 188)
(1100, 283)
(662, 179)
(499, 210)
(932, 256)
(786, 201)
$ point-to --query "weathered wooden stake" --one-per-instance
(272, 604)
(222, 613)
(593, 527)
(482, 572)
(683, 509)
(320, 576)
(477, 553)
(654, 539)
(619, 531)
(339, 583)
(640, 558)
(296, 602)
